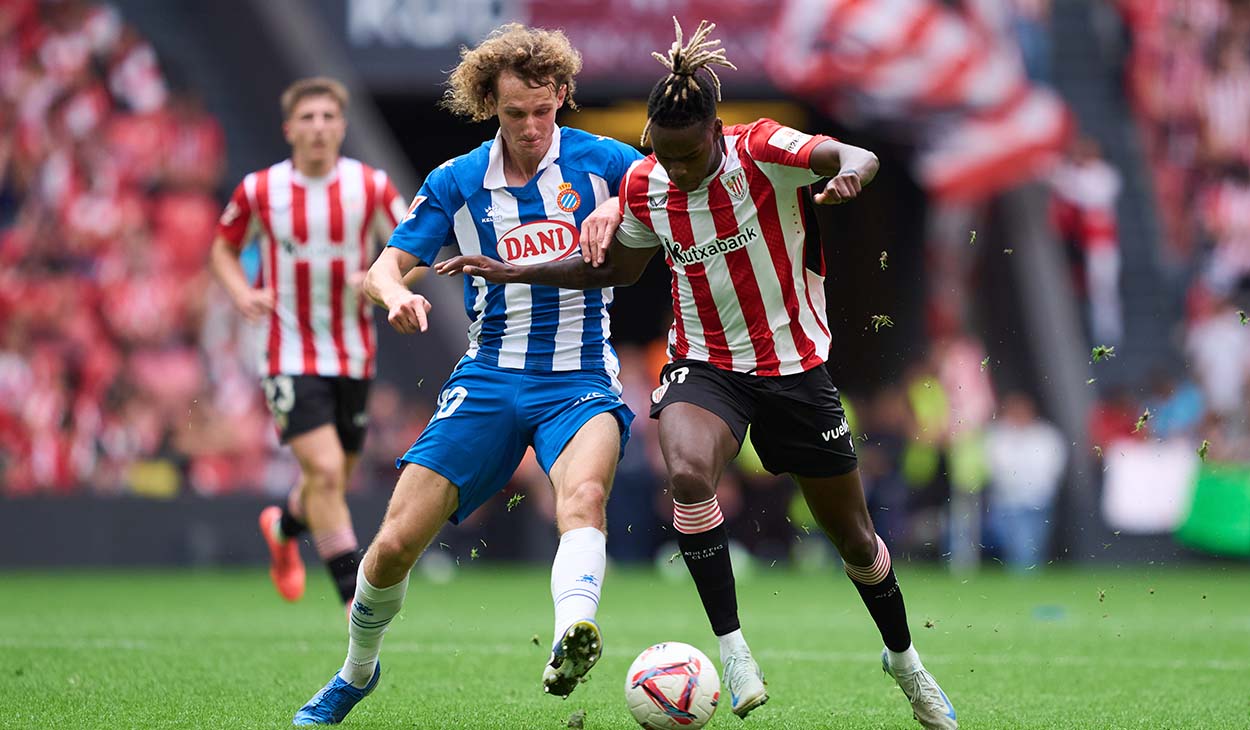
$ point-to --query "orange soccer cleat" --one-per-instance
(286, 567)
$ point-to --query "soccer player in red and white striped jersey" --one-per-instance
(748, 343)
(320, 218)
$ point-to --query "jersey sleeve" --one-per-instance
(783, 153)
(633, 231)
(623, 156)
(236, 219)
(428, 225)
(390, 208)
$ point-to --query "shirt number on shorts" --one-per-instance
(677, 375)
(279, 394)
(449, 400)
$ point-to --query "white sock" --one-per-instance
(372, 611)
(905, 662)
(730, 643)
(577, 577)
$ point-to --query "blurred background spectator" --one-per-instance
(1026, 457)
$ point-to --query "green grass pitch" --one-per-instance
(1129, 648)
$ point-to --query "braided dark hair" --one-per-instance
(685, 97)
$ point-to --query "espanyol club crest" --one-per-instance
(538, 243)
(567, 199)
(736, 183)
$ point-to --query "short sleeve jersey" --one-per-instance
(466, 202)
(744, 295)
(315, 233)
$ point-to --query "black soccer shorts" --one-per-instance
(797, 423)
(300, 403)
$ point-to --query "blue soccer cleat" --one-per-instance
(334, 701)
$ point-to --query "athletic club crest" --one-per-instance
(736, 183)
(567, 199)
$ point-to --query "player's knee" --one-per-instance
(394, 550)
(691, 483)
(323, 472)
(582, 504)
(858, 547)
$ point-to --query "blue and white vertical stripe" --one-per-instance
(466, 201)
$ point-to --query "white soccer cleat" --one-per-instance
(745, 682)
(929, 704)
(578, 650)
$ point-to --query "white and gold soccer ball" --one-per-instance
(672, 686)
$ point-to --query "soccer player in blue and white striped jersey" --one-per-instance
(539, 370)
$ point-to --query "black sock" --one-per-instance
(289, 526)
(885, 603)
(707, 557)
(343, 573)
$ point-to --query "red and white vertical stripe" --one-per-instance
(691, 519)
(949, 73)
(315, 234)
(743, 299)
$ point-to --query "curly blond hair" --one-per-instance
(539, 57)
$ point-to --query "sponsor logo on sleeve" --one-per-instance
(789, 140)
(412, 209)
(230, 214)
(538, 243)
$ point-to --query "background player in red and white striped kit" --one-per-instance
(320, 218)
(748, 344)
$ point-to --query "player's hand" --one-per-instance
(255, 304)
(598, 229)
(844, 187)
(489, 269)
(407, 314)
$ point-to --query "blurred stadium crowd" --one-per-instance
(110, 334)
(1188, 75)
(123, 369)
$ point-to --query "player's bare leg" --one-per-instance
(420, 505)
(324, 467)
(582, 478)
(840, 509)
(697, 446)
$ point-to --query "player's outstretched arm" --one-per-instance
(622, 267)
(385, 285)
(849, 168)
(598, 230)
(224, 261)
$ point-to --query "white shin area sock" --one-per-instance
(905, 662)
(372, 611)
(577, 576)
(730, 643)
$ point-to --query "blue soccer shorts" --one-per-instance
(488, 415)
